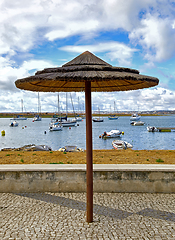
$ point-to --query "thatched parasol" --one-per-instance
(87, 73)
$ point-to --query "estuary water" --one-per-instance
(29, 132)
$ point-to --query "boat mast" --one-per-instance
(39, 106)
(59, 112)
(22, 105)
(66, 103)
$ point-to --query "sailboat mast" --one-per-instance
(66, 103)
(58, 105)
(22, 105)
(38, 102)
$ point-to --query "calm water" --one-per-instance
(138, 136)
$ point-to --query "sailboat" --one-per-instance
(98, 119)
(113, 117)
(68, 123)
(20, 117)
(37, 117)
(55, 124)
(77, 117)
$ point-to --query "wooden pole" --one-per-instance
(89, 157)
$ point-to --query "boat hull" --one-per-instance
(97, 120)
(55, 128)
(118, 144)
(68, 123)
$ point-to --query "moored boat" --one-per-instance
(119, 144)
(113, 117)
(19, 117)
(78, 119)
(54, 127)
(69, 123)
(97, 120)
(37, 118)
(14, 124)
(135, 117)
(152, 129)
(111, 134)
(139, 123)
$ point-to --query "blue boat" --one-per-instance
(113, 117)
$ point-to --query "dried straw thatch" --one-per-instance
(71, 77)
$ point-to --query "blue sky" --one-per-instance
(38, 34)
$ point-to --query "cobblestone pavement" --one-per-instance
(63, 216)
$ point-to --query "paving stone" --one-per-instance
(63, 216)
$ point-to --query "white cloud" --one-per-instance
(115, 50)
(9, 74)
(25, 25)
(156, 36)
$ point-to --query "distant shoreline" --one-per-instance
(50, 115)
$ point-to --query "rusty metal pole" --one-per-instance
(89, 157)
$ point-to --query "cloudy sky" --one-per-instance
(38, 34)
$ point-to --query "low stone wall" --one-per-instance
(72, 178)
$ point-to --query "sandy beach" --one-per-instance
(113, 156)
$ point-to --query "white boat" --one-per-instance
(119, 144)
(78, 119)
(69, 123)
(111, 134)
(37, 118)
(71, 149)
(54, 127)
(139, 123)
(19, 117)
(135, 117)
(14, 124)
(152, 129)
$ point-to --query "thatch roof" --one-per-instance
(86, 67)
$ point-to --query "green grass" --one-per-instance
(159, 160)
(56, 163)
(51, 152)
(22, 160)
(7, 154)
(147, 159)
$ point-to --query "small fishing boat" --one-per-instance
(14, 124)
(70, 149)
(111, 134)
(37, 118)
(139, 123)
(55, 127)
(152, 129)
(97, 120)
(113, 117)
(135, 117)
(119, 144)
(69, 123)
(78, 119)
(19, 117)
